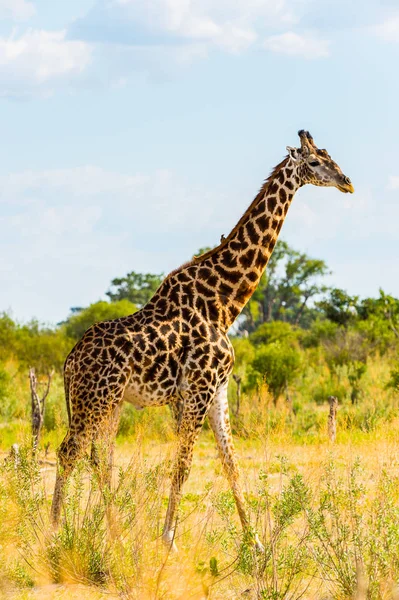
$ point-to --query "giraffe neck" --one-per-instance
(238, 263)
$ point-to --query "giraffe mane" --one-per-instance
(196, 260)
(262, 192)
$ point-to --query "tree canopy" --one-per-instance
(290, 281)
(138, 288)
(80, 321)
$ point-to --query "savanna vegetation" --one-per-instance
(328, 514)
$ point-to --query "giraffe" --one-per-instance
(175, 350)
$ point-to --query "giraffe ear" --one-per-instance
(293, 153)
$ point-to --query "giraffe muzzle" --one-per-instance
(346, 185)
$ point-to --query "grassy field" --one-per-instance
(327, 514)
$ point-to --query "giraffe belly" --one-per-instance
(140, 396)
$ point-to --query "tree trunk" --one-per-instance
(38, 405)
(332, 418)
(302, 308)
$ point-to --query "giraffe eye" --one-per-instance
(314, 163)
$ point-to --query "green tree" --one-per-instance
(275, 331)
(41, 347)
(349, 348)
(339, 307)
(277, 364)
(321, 330)
(8, 331)
(203, 250)
(379, 320)
(33, 344)
(290, 281)
(138, 288)
(78, 323)
(394, 378)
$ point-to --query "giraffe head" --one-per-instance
(316, 166)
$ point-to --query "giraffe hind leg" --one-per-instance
(102, 449)
(220, 424)
(73, 448)
(189, 428)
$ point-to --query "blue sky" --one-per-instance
(135, 132)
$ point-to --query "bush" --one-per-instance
(243, 350)
(394, 379)
(320, 331)
(277, 364)
(4, 383)
(78, 323)
(275, 331)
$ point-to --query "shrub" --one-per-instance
(394, 379)
(79, 322)
(277, 364)
(275, 331)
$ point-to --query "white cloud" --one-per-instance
(16, 9)
(293, 44)
(393, 183)
(84, 181)
(38, 60)
(100, 192)
(388, 30)
(206, 19)
(232, 25)
(66, 233)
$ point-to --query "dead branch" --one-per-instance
(38, 404)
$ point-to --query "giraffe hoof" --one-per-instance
(169, 542)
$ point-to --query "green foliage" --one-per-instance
(138, 288)
(321, 330)
(329, 387)
(41, 347)
(244, 353)
(394, 378)
(7, 336)
(348, 349)
(4, 384)
(289, 283)
(337, 527)
(33, 344)
(213, 566)
(78, 323)
(278, 364)
(339, 307)
(368, 417)
(203, 250)
(275, 331)
(379, 321)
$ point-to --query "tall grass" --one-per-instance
(329, 522)
(328, 515)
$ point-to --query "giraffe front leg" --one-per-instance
(220, 423)
(189, 429)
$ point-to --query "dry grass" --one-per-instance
(110, 547)
(327, 514)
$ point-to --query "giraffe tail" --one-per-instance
(67, 377)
